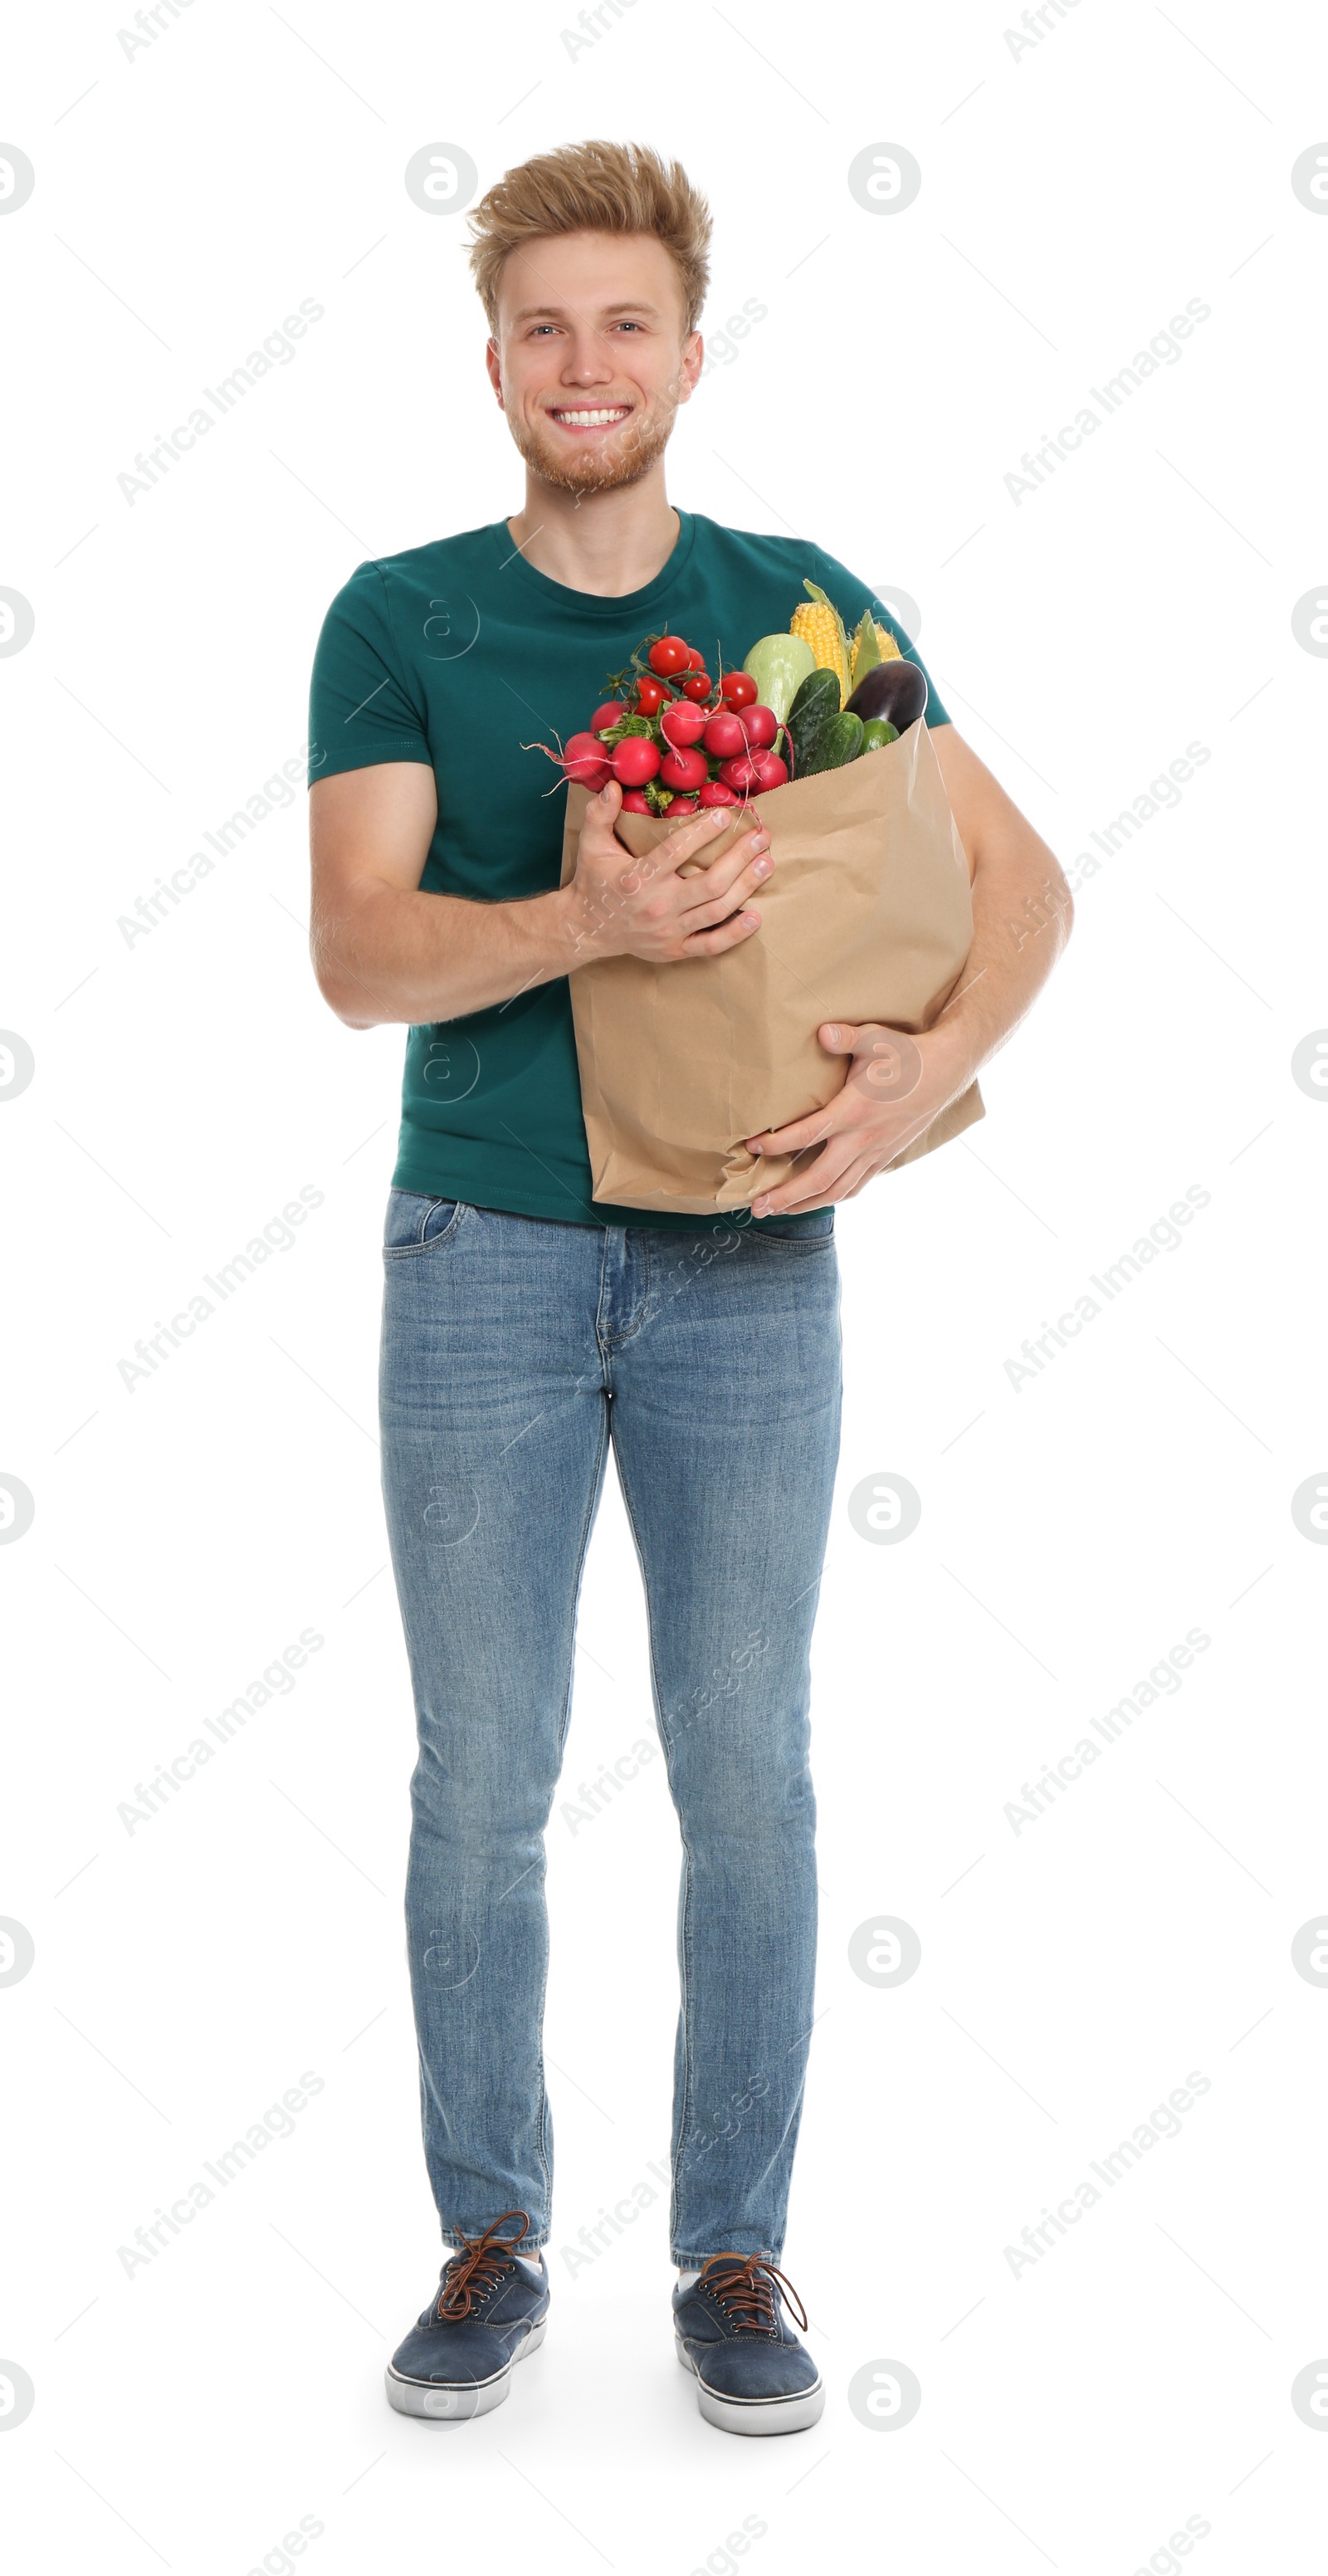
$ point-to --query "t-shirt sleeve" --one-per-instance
(851, 597)
(362, 706)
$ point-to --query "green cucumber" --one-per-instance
(839, 740)
(816, 702)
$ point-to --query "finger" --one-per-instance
(600, 816)
(712, 943)
(805, 1191)
(718, 907)
(693, 832)
(723, 874)
(689, 840)
(839, 1037)
(794, 1139)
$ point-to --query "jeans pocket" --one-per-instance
(813, 1229)
(414, 1222)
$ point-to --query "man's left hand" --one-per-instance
(895, 1086)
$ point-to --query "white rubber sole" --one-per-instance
(755, 2414)
(457, 2402)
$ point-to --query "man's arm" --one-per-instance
(385, 952)
(1022, 916)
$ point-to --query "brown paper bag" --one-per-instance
(868, 917)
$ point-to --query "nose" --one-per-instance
(587, 361)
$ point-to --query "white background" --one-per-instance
(1074, 197)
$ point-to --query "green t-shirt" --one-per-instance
(458, 654)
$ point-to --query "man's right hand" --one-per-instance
(385, 952)
(618, 906)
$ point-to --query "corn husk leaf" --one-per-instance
(866, 650)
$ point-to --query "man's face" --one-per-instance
(591, 360)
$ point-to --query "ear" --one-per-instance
(494, 364)
(693, 353)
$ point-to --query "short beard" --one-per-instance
(621, 460)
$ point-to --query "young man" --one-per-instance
(526, 1326)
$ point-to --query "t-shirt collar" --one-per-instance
(587, 605)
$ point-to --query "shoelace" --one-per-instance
(484, 2259)
(746, 2290)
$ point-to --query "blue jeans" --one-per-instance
(514, 1350)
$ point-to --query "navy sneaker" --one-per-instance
(490, 2311)
(753, 2375)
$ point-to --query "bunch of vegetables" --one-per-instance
(678, 740)
(803, 702)
(854, 696)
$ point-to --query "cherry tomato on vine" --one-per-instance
(697, 686)
(737, 689)
(672, 653)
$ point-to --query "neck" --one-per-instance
(606, 543)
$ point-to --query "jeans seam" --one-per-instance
(685, 1942)
(586, 1527)
(454, 2240)
(609, 1340)
(426, 1243)
(646, 1315)
(694, 2262)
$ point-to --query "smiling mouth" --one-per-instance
(605, 417)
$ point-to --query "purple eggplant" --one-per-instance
(895, 690)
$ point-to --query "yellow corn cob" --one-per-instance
(818, 626)
(889, 650)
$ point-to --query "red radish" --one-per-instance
(650, 697)
(762, 725)
(695, 661)
(715, 792)
(682, 726)
(595, 778)
(635, 760)
(671, 654)
(683, 769)
(770, 770)
(697, 686)
(634, 802)
(743, 775)
(682, 805)
(725, 735)
(738, 689)
(583, 756)
(607, 715)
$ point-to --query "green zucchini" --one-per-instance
(779, 664)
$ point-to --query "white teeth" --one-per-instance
(589, 419)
